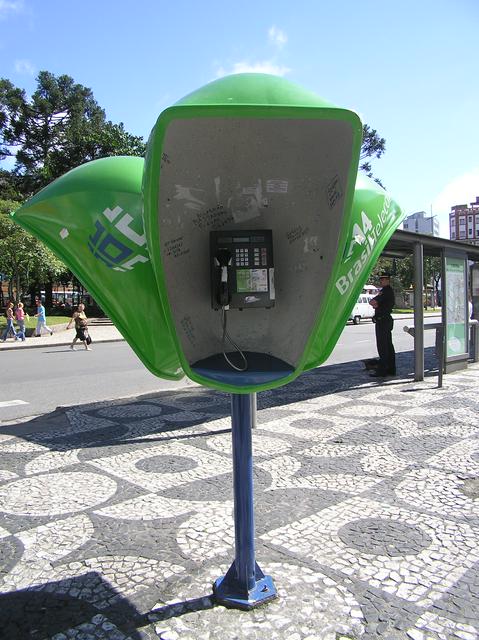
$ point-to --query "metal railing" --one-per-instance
(439, 327)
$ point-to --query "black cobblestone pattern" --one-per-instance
(115, 521)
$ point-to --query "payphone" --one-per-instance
(242, 270)
(278, 143)
(242, 277)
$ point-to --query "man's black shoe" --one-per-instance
(371, 364)
(378, 374)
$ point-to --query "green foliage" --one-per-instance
(402, 272)
(7, 206)
(432, 270)
(12, 104)
(10, 186)
(23, 259)
(405, 271)
(31, 321)
(60, 127)
(373, 146)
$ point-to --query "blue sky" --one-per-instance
(409, 68)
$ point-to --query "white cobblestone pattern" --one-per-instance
(284, 469)
(433, 626)
(451, 550)
(263, 446)
(367, 520)
(309, 605)
(459, 458)
(125, 465)
(43, 546)
(438, 492)
(298, 427)
(55, 493)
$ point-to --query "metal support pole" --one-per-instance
(440, 354)
(418, 313)
(254, 409)
(474, 325)
(244, 585)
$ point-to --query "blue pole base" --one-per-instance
(230, 592)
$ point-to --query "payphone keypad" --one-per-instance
(242, 257)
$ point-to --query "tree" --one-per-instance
(60, 127)
(372, 146)
(402, 272)
(12, 105)
(24, 260)
(432, 274)
(10, 186)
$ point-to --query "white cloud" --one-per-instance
(460, 190)
(24, 66)
(266, 66)
(8, 7)
(277, 37)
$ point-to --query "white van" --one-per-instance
(362, 309)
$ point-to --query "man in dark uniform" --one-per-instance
(383, 304)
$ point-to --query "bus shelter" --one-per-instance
(460, 280)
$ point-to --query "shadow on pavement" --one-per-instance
(106, 424)
(87, 605)
(51, 608)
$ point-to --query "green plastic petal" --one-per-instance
(91, 218)
(374, 218)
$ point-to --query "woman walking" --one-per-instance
(81, 327)
(10, 327)
(20, 316)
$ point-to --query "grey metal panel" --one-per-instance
(286, 175)
(418, 313)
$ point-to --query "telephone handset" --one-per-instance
(242, 269)
(223, 261)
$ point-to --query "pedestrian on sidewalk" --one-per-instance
(383, 304)
(81, 327)
(20, 316)
(10, 328)
(41, 319)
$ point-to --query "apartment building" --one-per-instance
(464, 222)
(420, 222)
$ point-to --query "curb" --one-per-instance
(13, 346)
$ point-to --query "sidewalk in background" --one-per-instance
(99, 333)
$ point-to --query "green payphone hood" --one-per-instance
(101, 220)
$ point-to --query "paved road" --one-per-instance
(43, 378)
(52, 376)
(358, 341)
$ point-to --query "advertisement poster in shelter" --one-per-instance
(456, 306)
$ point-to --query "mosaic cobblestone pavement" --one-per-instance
(114, 525)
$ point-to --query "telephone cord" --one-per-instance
(227, 337)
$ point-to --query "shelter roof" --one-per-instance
(402, 242)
